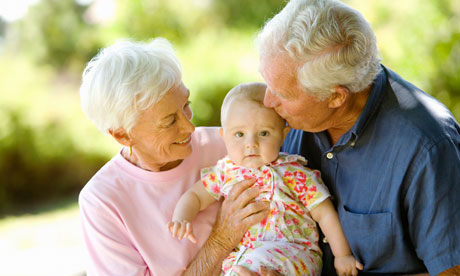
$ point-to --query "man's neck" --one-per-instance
(348, 114)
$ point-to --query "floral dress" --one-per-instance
(287, 240)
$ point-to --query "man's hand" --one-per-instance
(237, 213)
(243, 271)
(181, 229)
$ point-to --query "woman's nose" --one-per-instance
(187, 124)
(270, 99)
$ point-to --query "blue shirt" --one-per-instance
(395, 180)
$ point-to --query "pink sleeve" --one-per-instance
(109, 249)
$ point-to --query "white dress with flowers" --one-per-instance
(287, 240)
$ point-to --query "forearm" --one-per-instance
(208, 261)
(329, 222)
(187, 208)
(451, 271)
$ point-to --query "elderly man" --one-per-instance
(389, 153)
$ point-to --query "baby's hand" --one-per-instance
(181, 229)
(347, 265)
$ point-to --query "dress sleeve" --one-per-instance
(433, 207)
(108, 247)
(211, 178)
(309, 187)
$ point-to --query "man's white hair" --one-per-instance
(332, 43)
(126, 78)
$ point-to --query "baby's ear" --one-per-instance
(286, 131)
(221, 132)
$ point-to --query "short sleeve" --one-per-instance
(308, 186)
(211, 178)
(432, 204)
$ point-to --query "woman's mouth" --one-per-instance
(184, 141)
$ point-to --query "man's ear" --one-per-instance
(286, 131)
(339, 97)
(121, 136)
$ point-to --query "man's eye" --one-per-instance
(239, 134)
(264, 133)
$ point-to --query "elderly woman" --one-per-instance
(134, 92)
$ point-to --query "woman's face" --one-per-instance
(161, 137)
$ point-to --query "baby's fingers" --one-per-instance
(189, 233)
(176, 229)
(182, 230)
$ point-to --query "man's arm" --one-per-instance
(235, 217)
(453, 271)
(431, 202)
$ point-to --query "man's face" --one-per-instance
(300, 109)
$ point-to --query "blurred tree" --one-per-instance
(55, 33)
(39, 164)
(445, 51)
(243, 13)
(2, 28)
(143, 20)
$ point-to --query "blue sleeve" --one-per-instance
(432, 202)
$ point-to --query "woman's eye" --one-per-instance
(239, 134)
(171, 122)
(264, 133)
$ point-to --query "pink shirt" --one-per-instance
(125, 210)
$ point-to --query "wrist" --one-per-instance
(221, 246)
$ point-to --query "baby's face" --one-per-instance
(253, 134)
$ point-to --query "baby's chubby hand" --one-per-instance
(181, 229)
(347, 265)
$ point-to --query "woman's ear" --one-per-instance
(121, 136)
(339, 97)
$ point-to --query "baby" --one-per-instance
(287, 240)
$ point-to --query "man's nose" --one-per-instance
(270, 100)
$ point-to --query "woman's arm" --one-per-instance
(235, 217)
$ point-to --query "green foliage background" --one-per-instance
(48, 149)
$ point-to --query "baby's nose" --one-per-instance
(251, 143)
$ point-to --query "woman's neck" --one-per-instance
(146, 165)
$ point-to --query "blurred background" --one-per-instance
(49, 150)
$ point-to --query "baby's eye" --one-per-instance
(239, 134)
(264, 133)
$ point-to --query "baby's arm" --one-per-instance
(188, 206)
(329, 222)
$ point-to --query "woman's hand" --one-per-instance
(238, 212)
(263, 271)
(181, 229)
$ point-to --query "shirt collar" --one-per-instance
(370, 109)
